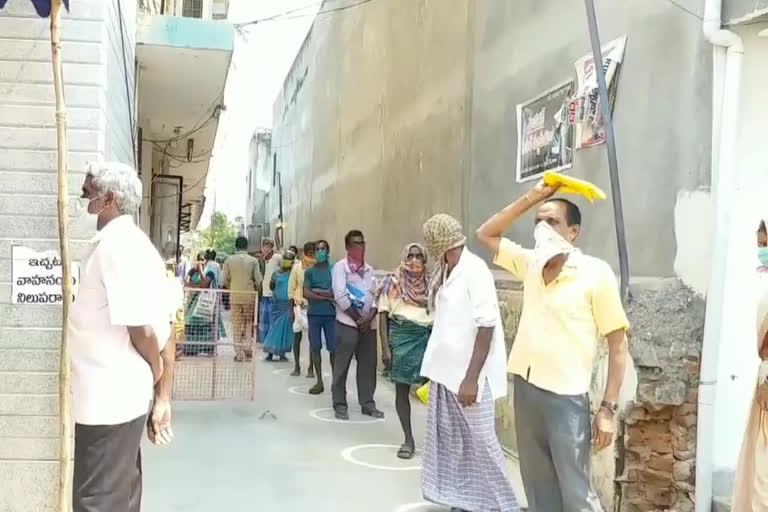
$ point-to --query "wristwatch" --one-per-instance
(610, 406)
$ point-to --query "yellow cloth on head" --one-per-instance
(569, 185)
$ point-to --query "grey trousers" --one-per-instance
(107, 473)
(350, 342)
(554, 443)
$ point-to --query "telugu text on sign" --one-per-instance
(36, 277)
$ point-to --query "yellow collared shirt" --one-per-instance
(561, 322)
(296, 284)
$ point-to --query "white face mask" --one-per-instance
(549, 243)
(83, 219)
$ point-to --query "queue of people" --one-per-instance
(443, 326)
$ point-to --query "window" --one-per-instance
(220, 8)
(193, 9)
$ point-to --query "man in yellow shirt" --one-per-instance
(570, 303)
(296, 293)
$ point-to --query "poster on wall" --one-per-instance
(545, 138)
(36, 276)
(584, 109)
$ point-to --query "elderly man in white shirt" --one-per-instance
(118, 326)
(464, 467)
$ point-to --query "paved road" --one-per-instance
(227, 457)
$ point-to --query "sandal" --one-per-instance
(405, 452)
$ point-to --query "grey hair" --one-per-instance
(121, 180)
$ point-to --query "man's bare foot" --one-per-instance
(311, 373)
(296, 372)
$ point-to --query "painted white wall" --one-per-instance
(694, 212)
(119, 104)
(738, 359)
(97, 129)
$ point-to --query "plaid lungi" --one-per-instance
(463, 465)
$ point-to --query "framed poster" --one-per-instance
(544, 135)
(590, 126)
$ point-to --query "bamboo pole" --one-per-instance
(65, 423)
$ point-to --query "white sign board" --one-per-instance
(36, 276)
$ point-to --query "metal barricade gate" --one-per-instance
(212, 356)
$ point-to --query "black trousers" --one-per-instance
(350, 342)
(107, 474)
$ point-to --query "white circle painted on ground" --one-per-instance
(422, 505)
(300, 390)
(316, 415)
(348, 455)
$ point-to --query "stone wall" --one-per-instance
(511, 304)
(659, 438)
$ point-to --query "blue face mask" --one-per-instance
(762, 255)
(321, 256)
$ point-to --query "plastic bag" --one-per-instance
(423, 393)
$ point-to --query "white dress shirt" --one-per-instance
(123, 283)
(466, 301)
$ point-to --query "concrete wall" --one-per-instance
(662, 120)
(29, 335)
(376, 115)
(371, 118)
(737, 359)
(259, 176)
(120, 106)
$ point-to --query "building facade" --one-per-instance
(111, 50)
(393, 111)
(259, 182)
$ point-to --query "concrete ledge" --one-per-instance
(34, 183)
(29, 405)
(30, 382)
(19, 360)
(18, 160)
(40, 427)
(29, 448)
(43, 94)
(37, 29)
(14, 315)
(29, 338)
(29, 486)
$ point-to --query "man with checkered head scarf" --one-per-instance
(464, 467)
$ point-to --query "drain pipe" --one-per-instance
(724, 127)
